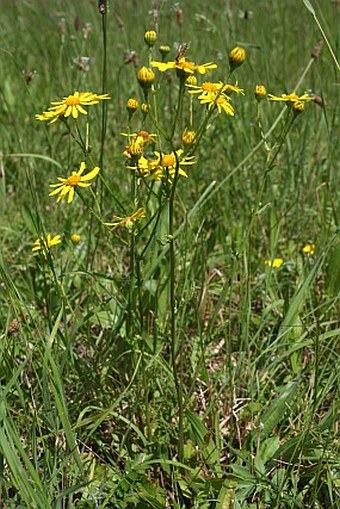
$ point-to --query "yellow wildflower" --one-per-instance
(71, 105)
(127, 221)
(132, 105)
(66, 185)
(45, 243)
(183, 65)
(275, 263)
(290, 99)
(145, 77)
(166, 164)
(309, 249)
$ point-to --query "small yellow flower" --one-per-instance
(150, 38)
(45, 243)
(260, 92)
(275, 263)
(66, 185)
(309, 249)
(127, 221)
(166, 164)
(213, 95)
(290, 99)
(184, 66)
(132, 105)
(71, 105)
(75, 238)
(188, 136)
(145, 77)
(237, 56)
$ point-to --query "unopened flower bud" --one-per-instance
(75, 238)
(188, 136)
(191, 80)
(164, 50)
(145, 77)
(237, 57)
(260, 92)
(150, 37)
(132, 105)
(145, 108)
(298, 107)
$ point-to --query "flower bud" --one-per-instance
(145, 108)
(237, 57)
(188, 136)
(132, 106)
(298, 107)
(75, 238)
(164, 50)
(145, 77)
(260, 92)
(150, 37)
(191, 80)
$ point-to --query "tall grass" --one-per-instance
(170, 364)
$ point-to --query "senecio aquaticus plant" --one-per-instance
(160, 154)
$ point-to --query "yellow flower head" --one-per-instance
(260, 92)
(184, 66)
(290, 99)
(66, 185)
(71, 105)
(237, 56)
(127, 221)
(275, 263)
(145, 107)
(309, 249)
(213, 95)
(191, 80)
(166, 165)
(44, 244)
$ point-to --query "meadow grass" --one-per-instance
(188, 356)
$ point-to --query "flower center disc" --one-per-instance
(72, 100)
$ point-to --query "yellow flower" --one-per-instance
(127, 221)
(66, 185)
(184, 66)
(166, 164)
(237, 56)
(290, 99)
(213, 95)
(275, 263)
(71, 105)
(191, 80)
(163, 166)
(45, 243)
(76, 238)
(309, 249)
(260, 92)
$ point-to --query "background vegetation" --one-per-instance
(89, 413)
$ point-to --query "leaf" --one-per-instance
(276, 411)
(309, 6)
